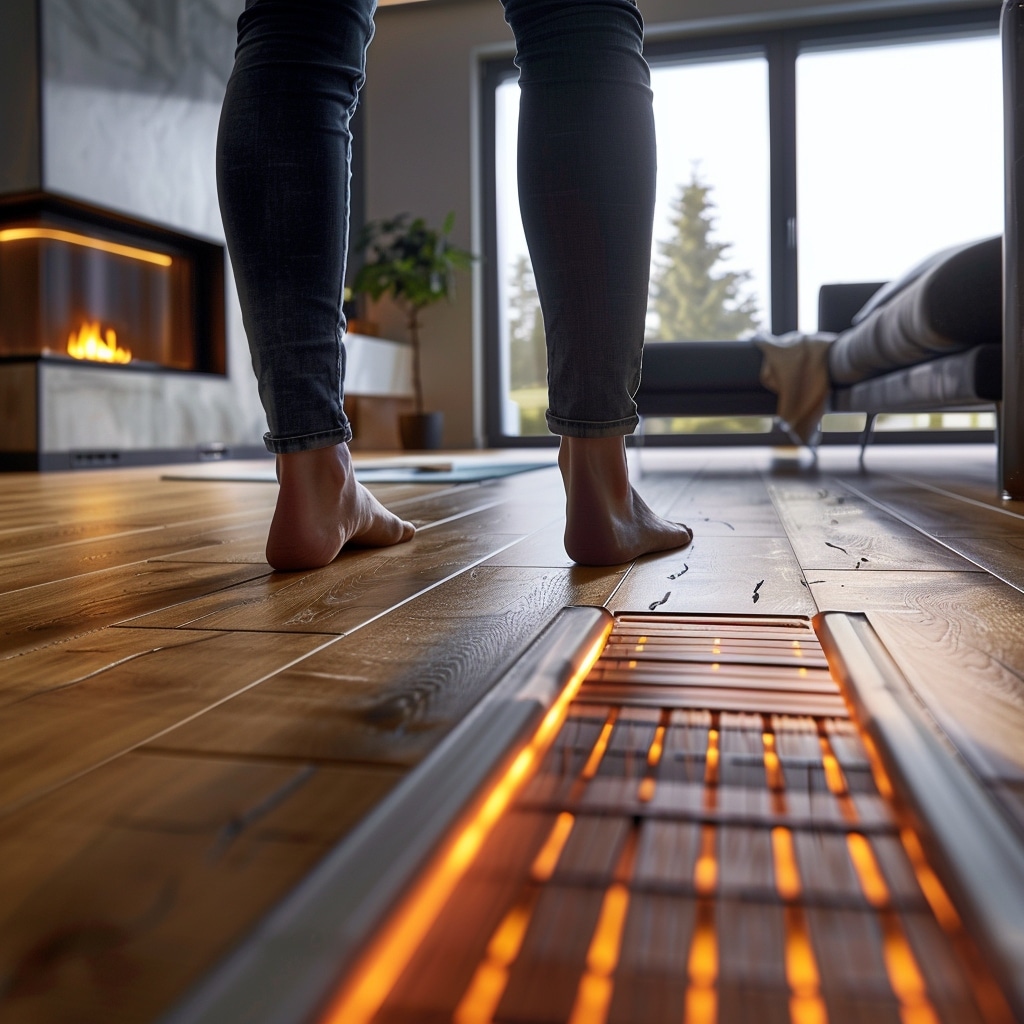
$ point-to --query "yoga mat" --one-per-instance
(446, 473)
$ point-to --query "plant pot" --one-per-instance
(421, 430)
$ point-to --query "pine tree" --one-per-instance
(690, 301)
(527, 349)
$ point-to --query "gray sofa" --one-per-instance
(930, 341)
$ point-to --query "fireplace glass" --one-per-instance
(77, 283)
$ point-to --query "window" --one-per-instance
(885, 138)
(899, 154)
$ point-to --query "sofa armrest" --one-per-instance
(838, 304)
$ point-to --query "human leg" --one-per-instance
(283, 159)
(587, 168)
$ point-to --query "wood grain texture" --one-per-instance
(940, 515)
(352, 590)
(148, 868)
(56, 611)
(832, 528)
(389, 691)
(214, 542)
(727, 504)
(901, 591)
(129, 869)
(718, 575)
(53, 735)
(970, 680)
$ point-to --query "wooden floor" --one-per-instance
(183, 733)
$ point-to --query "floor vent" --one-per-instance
(707, 838)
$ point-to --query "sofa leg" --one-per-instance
(865, 437)
(811, 444)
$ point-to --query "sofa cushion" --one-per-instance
(949, 303)
(961, 380)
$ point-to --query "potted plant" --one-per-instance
(414, 265)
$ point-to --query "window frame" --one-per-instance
(780, 47)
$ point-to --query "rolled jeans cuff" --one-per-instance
(586, 428)
(307, 442)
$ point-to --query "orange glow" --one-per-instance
(702, 968)
(594, 994)
(73, 238)
(802, 672)
(88, 344)
(711, 759)
(603, 954)
(504, 945)
(702, 965)
(772, 766)
(881, 779)
(632, 664)
(714, 665)
(647, 785)
(834, 778)
(545, 861)
(904, 975)
(798, 649)
(590, 768)
(657, 746)
(942, 906)
(872, 884)
(481, 1000)
(370, 983)
(593, 998)
(787, 875)
(705, 871)
(805, 1005)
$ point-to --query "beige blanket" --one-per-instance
(795, 367)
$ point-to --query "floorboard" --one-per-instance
(184, 733)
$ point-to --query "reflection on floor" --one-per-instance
(184, 734)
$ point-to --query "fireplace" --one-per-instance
(86, 291)
(80, 283)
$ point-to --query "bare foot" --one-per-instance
(321, 507)
(606, 521)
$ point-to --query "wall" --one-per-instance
(421, 143)
(19, 98)
(131, 100)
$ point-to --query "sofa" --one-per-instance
(928, 341)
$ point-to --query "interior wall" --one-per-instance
(131, 100)
(19, 97)
(421, 144)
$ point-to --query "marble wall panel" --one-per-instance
(131, 95)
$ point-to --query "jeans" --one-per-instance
(586, 167)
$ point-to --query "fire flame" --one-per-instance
(89, 344)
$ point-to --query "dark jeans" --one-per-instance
(586, 188)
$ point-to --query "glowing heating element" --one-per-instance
(74, 238)
(488, 984)
(702, 970)
(374, 978)
(595, 991)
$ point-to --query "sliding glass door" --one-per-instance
(785, 160)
